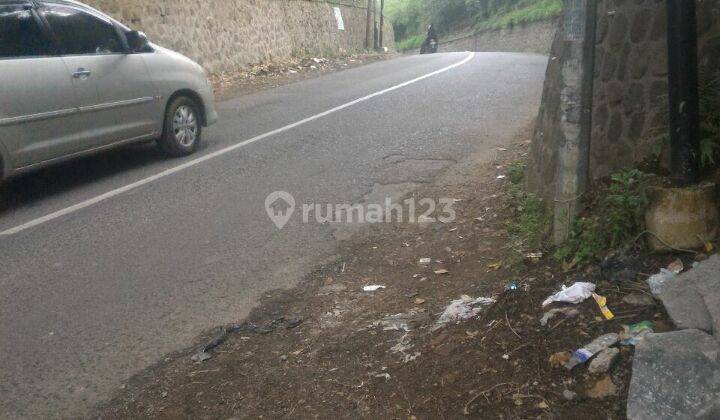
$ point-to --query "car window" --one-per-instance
(20, 33)
(80, 33)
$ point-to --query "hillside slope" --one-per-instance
(453, 17)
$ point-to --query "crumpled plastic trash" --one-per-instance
(373, 288)
(575, 294)
(635, 333)
(464, 308)
(568, 312)
(586, 353)
(657, 281)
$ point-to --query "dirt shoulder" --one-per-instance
(329, 349)
(228, 85)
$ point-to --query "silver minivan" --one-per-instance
(74, 81)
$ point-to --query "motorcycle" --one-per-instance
(430, 46)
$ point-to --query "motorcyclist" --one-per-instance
(431, 41)
(431, 35)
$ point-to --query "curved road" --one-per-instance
(94, 290)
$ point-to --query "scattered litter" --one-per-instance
(425, 261)
(511, 287)
(408, 321)
(604, 360)
(568, 312)
(442, 271)
(542, 405)
(464, 308)
(383, 375)
(569, 395)
(676, 267)
(560, 358)
(603, 388)
(631, 335)
(576, 293)
(534, 257)
(602, 303)
(584, 354)
(419, 301)
(402, 347)
(637, 299)
(373, 288)
(284, 358)
(501, 176)
(506, 357)
(657, 281)
(495, 266)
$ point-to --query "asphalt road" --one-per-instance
(93, 296)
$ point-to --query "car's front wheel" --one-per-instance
(182, 129)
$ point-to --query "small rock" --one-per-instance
(637, 299)
(569, 395)
(603, 388)
(419, 301)
(604, 360)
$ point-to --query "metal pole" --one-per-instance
(683, 85)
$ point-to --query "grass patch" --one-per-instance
(410, 43)
(536, 11)
(529, 222)
(615, 219)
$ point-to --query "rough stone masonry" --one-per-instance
(225, 35)
(630, 90)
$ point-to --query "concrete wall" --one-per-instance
(533, 37)
(224, 35)
(629, 111)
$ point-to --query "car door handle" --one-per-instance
(81, 73)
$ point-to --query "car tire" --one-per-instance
(182, 129)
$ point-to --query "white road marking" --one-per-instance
(191, 163)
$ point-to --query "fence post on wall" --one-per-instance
(576, 84)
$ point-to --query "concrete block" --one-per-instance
(682, 217)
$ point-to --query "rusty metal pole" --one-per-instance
(684, 95)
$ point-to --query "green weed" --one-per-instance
(613, 220)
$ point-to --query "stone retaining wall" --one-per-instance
(535, 37)
(631, 89)
(224, 35)
(630, 98)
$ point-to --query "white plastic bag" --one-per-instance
(576, 293)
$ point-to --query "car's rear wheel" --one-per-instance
(182, 130)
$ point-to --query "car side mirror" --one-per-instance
(137, 41)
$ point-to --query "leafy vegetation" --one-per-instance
(710, 119)
(616, 218)
(530, 221)
(411, 17)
